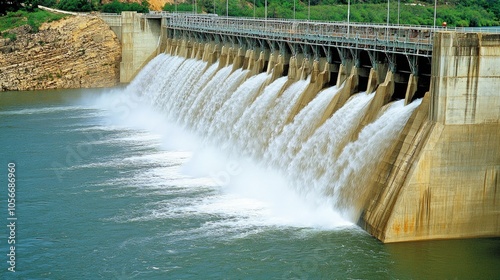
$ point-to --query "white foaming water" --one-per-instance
(192, 71)
(286, 146)
(193, 93)
(325, 144)
(186, 87)
(254, 115)
(271, 121)
(351, 184)
(126, 110)
(147, 75)
(155, 90)
(232, 109)
(200, 103)
(223, 92)
(234, 189)
(235, 186)
(173, 83)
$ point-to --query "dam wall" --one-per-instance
(140, 39)
(440, 179)
(445, 181)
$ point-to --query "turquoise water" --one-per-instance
(109, 189)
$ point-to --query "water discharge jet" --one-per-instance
(319, 142)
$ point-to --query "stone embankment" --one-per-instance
(75, 52)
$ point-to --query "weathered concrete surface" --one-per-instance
(465, 84)
(317, 82)
(141, 39)
(443, 180)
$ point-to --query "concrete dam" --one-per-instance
(396, 127)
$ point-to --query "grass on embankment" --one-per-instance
(410, 13)
(377, 13)
(20, 18)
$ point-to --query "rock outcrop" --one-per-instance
(75, 52)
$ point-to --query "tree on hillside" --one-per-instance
(31, 5)
(75, 5)
(118, 7)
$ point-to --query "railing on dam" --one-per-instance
(413, 40)
(111, 19)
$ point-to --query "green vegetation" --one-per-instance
(118, 7)
(95, 5)
(417, 12)
(73, 5)
(34, 19)
(76, 5)
(11, 36)
(453, 12)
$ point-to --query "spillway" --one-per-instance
(248, 115)
(437, 179)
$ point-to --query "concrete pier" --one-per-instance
(140, 38)
(445, 180)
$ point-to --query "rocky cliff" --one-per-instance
(75, 52)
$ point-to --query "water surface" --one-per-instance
(109, 189)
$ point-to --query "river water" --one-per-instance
(108, 187)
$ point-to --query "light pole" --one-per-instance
(387, 29)
(293, 9)
(253, 8)
(227, 8)
(265, 11)
(388, 13)
(399, 4)
(309, 11)
(265, 19)
(435, 9)
(348, 17)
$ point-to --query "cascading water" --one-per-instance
(284, 148)
(327, 142)
(192, 94)
(157, 86)
(250, 119)
(254, 115)
(222, 93)
(350, 184)
(145, 76)
(200, 104)
(273, 120)
(184, 87)
(233, 108)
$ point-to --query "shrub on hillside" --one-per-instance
(75, 5)
(118, 7)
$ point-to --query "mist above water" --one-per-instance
(266, 171)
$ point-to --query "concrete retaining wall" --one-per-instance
(140, 42)
(465, 78)
(445, 181)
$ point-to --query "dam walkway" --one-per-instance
(399, 39)
(388, 38)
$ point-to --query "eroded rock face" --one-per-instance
(75, 52)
